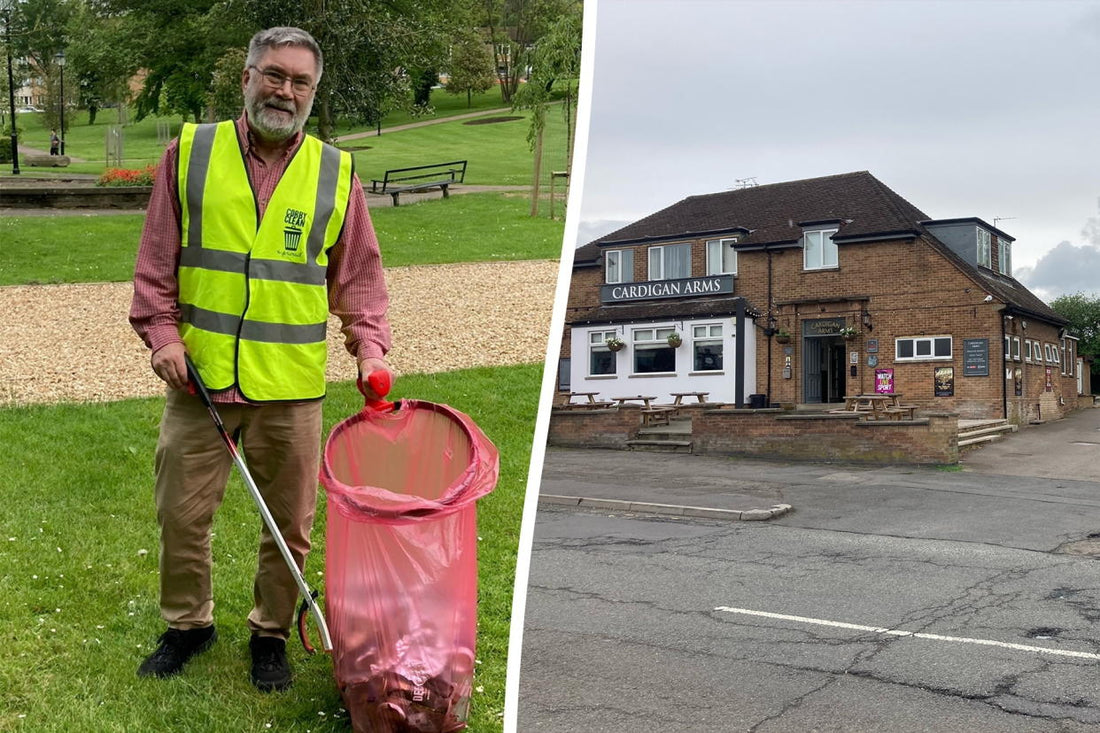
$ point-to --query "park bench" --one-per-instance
(397, 181)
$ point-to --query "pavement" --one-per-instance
(738, 489)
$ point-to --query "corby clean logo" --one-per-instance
(295, 222)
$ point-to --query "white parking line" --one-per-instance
(914, 634)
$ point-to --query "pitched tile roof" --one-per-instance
(773, 214)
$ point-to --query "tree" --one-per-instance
(471, 66)
(38, 35)
(1083, 314)
(225, 100)
(515, 27)
(100, 73)
(557, 57)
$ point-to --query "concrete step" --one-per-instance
(660, 446)
(963, 442)
(995, 430)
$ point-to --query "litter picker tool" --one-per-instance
(309, 596)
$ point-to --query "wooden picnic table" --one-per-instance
(589, 402)
(678, 397)
(878, 406)
(646, 400)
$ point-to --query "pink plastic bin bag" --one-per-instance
(401, 567)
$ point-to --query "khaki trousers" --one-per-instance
(281, 444)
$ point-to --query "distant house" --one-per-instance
(807, 291)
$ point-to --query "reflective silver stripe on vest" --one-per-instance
(307, 274)
(213, 259)
(326, 200)
(208, 320)
(272, 333)
(222, 261)
(202, 146)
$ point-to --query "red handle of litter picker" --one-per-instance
(302, 633)
(380, 381)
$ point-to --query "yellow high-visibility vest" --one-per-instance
(252, 292)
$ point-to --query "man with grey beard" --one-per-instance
(255, 231)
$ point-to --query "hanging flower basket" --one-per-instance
(782, 337)
(615, 343)
(848, 333)
(674, 340)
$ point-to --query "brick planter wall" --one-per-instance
(75, 197)
(610, 428)
(775, 434)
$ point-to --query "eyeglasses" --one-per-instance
(301, 86)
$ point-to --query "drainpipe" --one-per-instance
(768, 388)
(739, 356)
(1004, 367)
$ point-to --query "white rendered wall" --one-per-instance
(720, 384)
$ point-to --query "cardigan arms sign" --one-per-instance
(689, 287)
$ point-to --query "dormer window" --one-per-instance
(670, 262)
(985, 246)
(1004, 256)
(721, 256)
(819, 250)
(619, 266)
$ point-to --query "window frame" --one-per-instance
(658, 342)
(721, 243)
(931, 340)
(826, 236)
(593, 347)
(625, 272)
(984, 253)
(1016, 351)
(708, 339)
(660, 250)
(1004, 256)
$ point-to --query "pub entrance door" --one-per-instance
(823, 369)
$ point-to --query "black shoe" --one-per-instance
(270, 670)
(174, 649)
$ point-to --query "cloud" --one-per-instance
(1064, 270)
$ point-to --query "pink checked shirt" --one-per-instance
(356, 287)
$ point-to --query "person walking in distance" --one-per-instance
(255, 231)
(55, 143)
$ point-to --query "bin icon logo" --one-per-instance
(295, 221)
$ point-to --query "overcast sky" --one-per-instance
(964, 108)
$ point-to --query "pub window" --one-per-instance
(985, 257)
(670, 262)
(1004, 255)
(1008, 348)
(819, 250)
(706, 345)
(923, 348)
(1016, 348)
(619, 265)
(1027, 350)
(652, 354)
(1049, 349)
(601, 359)
(721, 257)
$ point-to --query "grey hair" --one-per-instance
(280, 37)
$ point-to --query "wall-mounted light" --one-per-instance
(1023, 325)
(866, 319)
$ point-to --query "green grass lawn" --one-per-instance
(466, 228)
(78, 541)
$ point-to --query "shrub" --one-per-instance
(127, 177)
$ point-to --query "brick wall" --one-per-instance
(910, 289)
(775, 435)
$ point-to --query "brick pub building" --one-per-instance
(803, 292)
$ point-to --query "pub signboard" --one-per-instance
(688, 287)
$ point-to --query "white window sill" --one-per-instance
(707, 373)
(919, 359)
(647, 375)
(601, 376)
